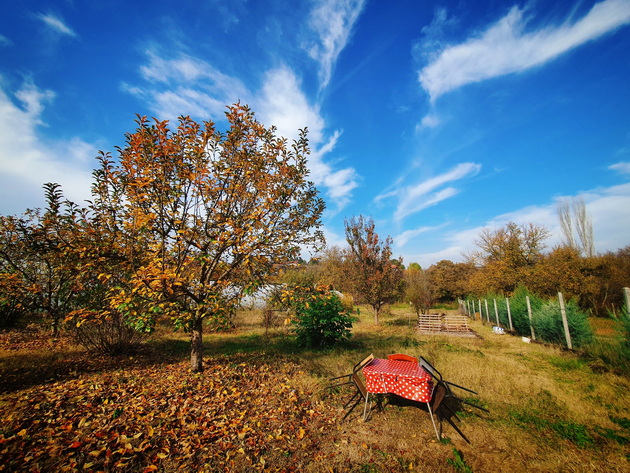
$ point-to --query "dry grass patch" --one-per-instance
(549, 411)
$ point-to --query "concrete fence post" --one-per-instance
(565, 322)
(507, 303)
(529, 313)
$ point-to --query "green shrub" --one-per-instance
(549, 327)
(518, 309)
(321, 321)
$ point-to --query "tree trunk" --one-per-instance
(376, 312)
(196, 346)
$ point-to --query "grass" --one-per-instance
(549, 410)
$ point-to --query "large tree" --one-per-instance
(198, 217)
(377, 279)
(449, 281)
(576, 222)
(506, 256)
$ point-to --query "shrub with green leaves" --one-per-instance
(549, 327)
(518, 309)
(320, 319)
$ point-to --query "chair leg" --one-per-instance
(365, 409)
(433, 421)
(457, 429)
(351, 399)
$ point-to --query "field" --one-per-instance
(262, 404)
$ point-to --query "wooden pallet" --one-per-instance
(436, 323)
(430, 323)
(455, 323)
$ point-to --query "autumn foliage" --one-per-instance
(181, 224)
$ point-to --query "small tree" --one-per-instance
(376, 278)
(418, 290)
(34, 259)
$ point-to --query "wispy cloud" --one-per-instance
(332, 22)
(404, 238)
(506, 47)
(56, 24)
(284, 105)
(622, 167)
(27, 161)
(186, 85)
(607, 207)
(414, 198)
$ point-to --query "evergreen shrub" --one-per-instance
(549, 327)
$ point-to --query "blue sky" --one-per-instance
(435, 118)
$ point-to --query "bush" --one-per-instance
(518, 309)
(106, 334)
(548, 324)
(321, 321)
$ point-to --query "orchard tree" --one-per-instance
(199, 217)
(376, 278)
(418, 289)
(34, 261)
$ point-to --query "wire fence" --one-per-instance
(560, 323)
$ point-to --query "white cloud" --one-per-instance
(187, 85)
(404, 238)
(506, 47)
(332, 21)
(430, 121)
(621, 168)
(27, 161)
(284, 105)
(56, 24)
(609, 209)
(414, 198)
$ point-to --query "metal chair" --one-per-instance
(360, 393)
(402, 357)
(429, 368)
(439, 408)
(348, 377)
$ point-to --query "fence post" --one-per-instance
(496, 312)
(529, 312)
(626, 292)
(480, 312)
(487, 311)
(565, 323)
(507, 303)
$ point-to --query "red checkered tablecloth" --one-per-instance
(404, 378)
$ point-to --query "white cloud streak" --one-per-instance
(332, 22)
(56, 24)
(621, 168)
(606, 206)
(186, 85)
(27, 162)
(284, 105)
(406, 236)
(506, 47)
(414, 198)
